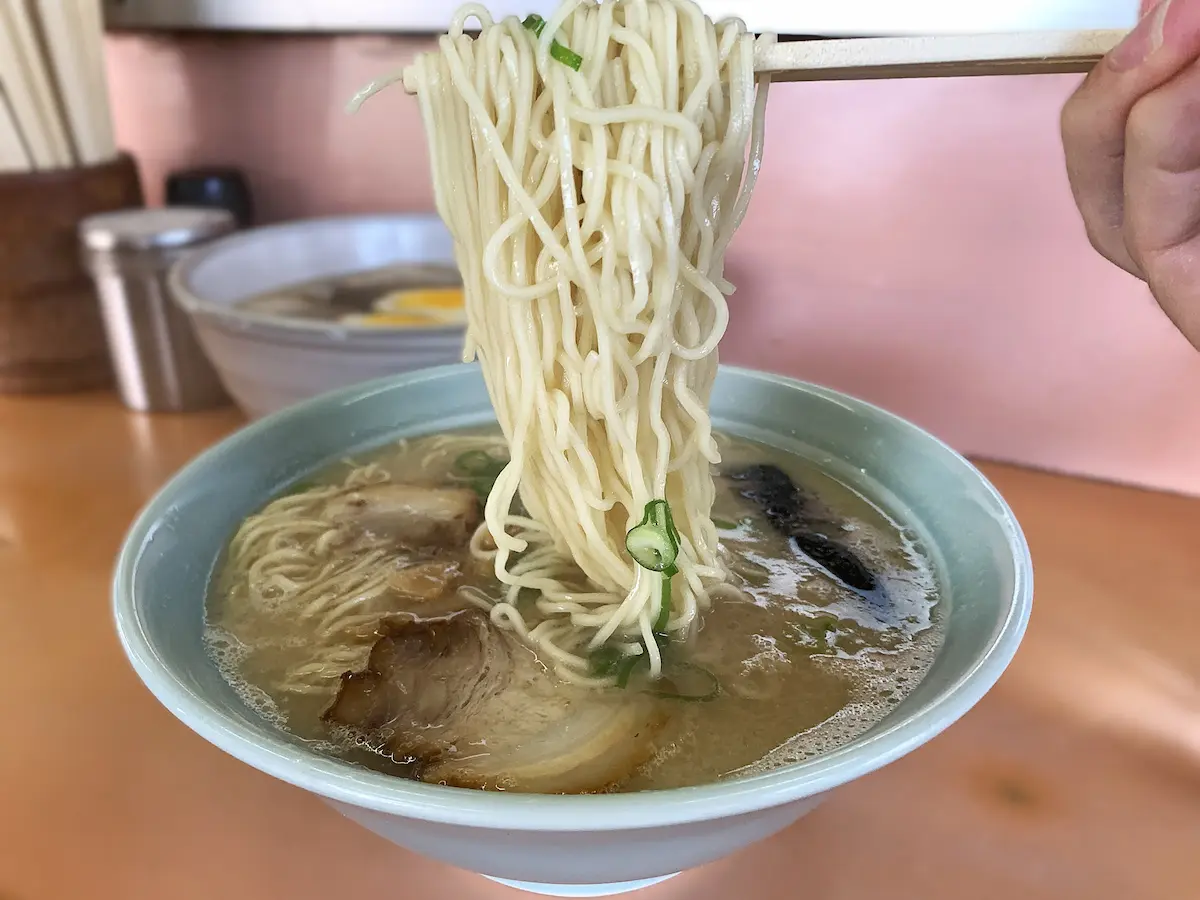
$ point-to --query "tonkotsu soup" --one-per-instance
(361, 611)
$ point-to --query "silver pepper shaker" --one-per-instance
(158, 361)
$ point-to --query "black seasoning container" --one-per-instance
(212, 187)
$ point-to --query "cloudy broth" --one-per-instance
(830, 619)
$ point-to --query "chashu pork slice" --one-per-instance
(475, 708)
(409, 514)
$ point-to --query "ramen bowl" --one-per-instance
(573, 845)
(267, 362)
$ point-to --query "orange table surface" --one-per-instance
(1077, 777)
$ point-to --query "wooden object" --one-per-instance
(939, 56)
(13, 155)
(1030, 53)
(29, 83)
(51, 338)
(53, 84)
(73, 35)
(1076, 778)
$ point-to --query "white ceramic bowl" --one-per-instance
(576, 845)
(267, 363)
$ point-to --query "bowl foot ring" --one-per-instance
(582, 890)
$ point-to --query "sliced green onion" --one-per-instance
(680, 680)
(481, 469)
(664, 611)
(482, 487)
(478, 463)
(689, 682)
(626, 667)
(564, 55)
(654, 542)
(724, 524)
(605, 661)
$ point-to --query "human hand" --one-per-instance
(1131, 134)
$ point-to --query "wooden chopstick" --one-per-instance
(937, 56)
(30, 89)
(1028, 53)
(13, 156)
(73, 37)
(100, 106)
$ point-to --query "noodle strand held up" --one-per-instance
(591, 210)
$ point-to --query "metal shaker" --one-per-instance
(159, 364)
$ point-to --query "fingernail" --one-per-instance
(1140, 43)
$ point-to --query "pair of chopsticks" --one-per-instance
(1026, 53)
(54, 108)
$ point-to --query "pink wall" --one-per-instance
(913, 243)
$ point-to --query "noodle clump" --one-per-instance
(592, 169)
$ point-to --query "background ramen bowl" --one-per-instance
(269, 362)
(572, 845)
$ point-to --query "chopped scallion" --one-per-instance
(686, 681)
(480, 469)
(478, 463)
(654, 542)
(605, 661)
(654, 545)
(664, 611)
(564, 55)
(626, 667)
